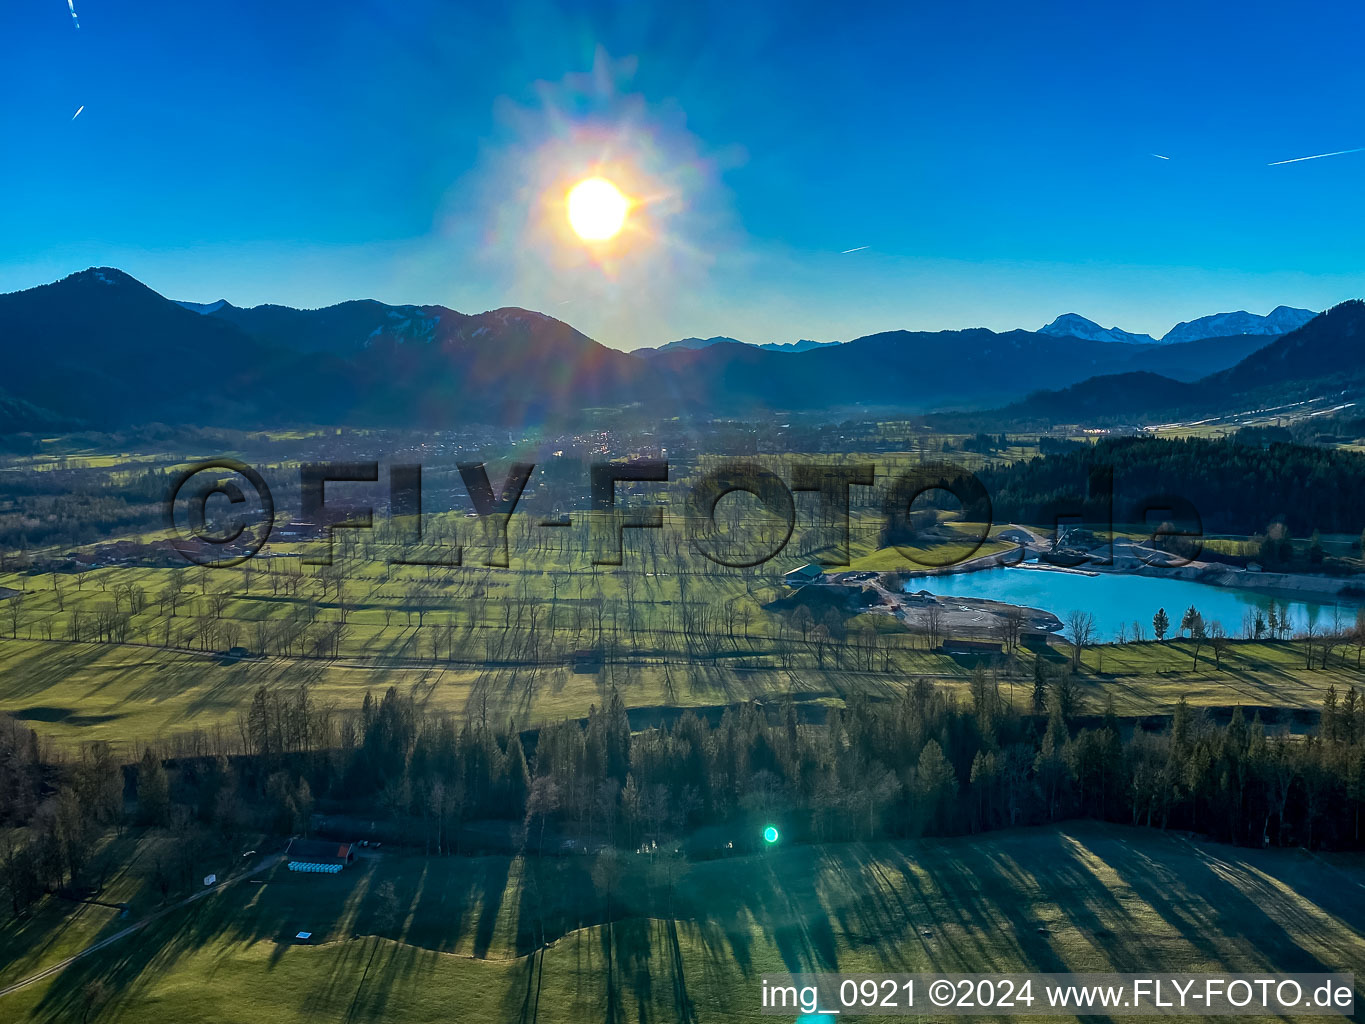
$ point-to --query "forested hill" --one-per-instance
(1236, 487)
(1323, 359)
(1325, 353)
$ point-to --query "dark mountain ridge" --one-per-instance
(1323, 358)
(101, 348)
(919, 371)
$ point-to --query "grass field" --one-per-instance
(132, 654)
(59, 928)
(504, 642)
(458, 939)
(128, 653)
(130, 694)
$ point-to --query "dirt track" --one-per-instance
(961, 616)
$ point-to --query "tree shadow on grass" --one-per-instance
(1085, 897)
(1234, 913)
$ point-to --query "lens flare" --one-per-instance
(597, 209)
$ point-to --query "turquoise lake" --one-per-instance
(1118, 599)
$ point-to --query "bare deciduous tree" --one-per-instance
(1080, 630)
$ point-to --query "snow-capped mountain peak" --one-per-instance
(1280, 320)
(804, 345)
(1073, 325)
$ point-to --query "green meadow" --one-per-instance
(134, 654)
(559, 939)
(134, 693)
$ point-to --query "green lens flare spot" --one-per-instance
(770, 835)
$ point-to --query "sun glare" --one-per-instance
(597, 209)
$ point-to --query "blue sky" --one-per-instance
(994, 158)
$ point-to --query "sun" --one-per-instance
(597, 209)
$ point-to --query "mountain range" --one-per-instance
(1280, 320)
(100, 348)
(1324, 358)
(804, 345)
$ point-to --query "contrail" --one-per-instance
(1160, 157)
(78, 112)
(855, 249)
(1316, 156)
(71, 5)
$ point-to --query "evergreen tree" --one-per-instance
(984, 779)
(517, 781)
(935, 784)
(1050, 764)
(1329, 728)
(153, 790)
(1161, 622)
(616, 737)
(1188, 620)
(1182, 723)
(1066, 697)
(1039, 685)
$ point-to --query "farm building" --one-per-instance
(808, 573)
(297, 528)
(315, 856)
